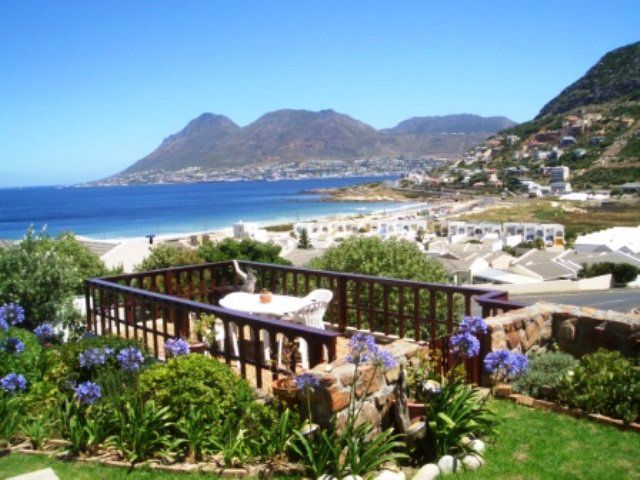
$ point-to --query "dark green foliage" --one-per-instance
(622, 273)
(28, 362)
(246, 249)
(11, 416)
(544, 375)
(609, 176)
(632, 148)
(303, 240)
(457, 412)
(166, 255)
(604, 382)
(199, 381)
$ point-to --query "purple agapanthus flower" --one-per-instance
(177, 347)
(13, 382)
(466, 343)
(11, 314)
(362, 348)
(307, 380)
(130, 359)
(384, 359)
(44, 332)
(474, 325)
(12, 345)
(505, 363)
(88, 393)
(93, 357)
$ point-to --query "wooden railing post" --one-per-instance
(342, 304)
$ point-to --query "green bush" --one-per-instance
(604, 382)
(545, 374)
(622, 273)
(196, 381)
(246, 249)
(166, 255)
(28, 362)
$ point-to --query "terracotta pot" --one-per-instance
(285, 390)
(265, 296)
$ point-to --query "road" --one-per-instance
(619, 299)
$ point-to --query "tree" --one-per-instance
(622, 273)
(166, 255)
(303, 241)
(39, 278)
(246, 249)
(384, 258)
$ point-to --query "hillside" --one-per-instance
(215, 142)
(592, 127)
(615, 76)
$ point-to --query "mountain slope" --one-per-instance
(616, 75)
(213, 141)
(461, 123)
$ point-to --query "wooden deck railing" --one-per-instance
(157, 305)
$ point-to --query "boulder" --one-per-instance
(390, 475)
(477, 445)
(430, 471)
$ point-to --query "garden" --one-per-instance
(104, 399)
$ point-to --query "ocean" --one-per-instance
(139, 210)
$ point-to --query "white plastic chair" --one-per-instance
(311, 315)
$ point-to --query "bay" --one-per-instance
(138, 210)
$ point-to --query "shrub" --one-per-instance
(28, 362)
(545, 374)
(196, 381)
(166, 255)
(604, 382)
(622, 273)
(246, 249)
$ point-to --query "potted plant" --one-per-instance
(423, 381)
(285, 387)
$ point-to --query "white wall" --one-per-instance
(602, 282)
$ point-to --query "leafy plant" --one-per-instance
(142, 429)
(28, 362)
(270, 430)
(604, 382)
(545, 374)
(231, 443)
(10, 418)
(72, 423)
(245, 249)
(622, 273)
(37, 430)
(195, 433)
(456, 413)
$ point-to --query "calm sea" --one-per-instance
(135, 211)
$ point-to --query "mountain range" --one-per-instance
(213, 141)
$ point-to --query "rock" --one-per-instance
(448, 465)
(326, 476)
(477, 445)
(352, 477)
(45, 474)
(472, 462)
(389, 475)
(430, 471)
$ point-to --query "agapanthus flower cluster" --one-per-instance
(176, 347)
(88, 393)
(466, 343)
(474, 325)
(363, 349)
(504, 364)
(12, 345)
(130, 359)
(94, 357)
(10, 314)
(307, 380)
(13, 382)
(44, 332)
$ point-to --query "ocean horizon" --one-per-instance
(134, 211)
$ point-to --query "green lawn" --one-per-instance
(528, 445)
(532, 444)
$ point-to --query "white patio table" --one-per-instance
(279, 306)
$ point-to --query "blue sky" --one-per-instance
(88, 87)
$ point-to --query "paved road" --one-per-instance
(621, 300)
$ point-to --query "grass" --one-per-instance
(528, 444)
(576, 218)
(536, 445)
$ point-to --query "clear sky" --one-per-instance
(89, 87)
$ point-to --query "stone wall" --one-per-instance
(377, 387)
(576, 330)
